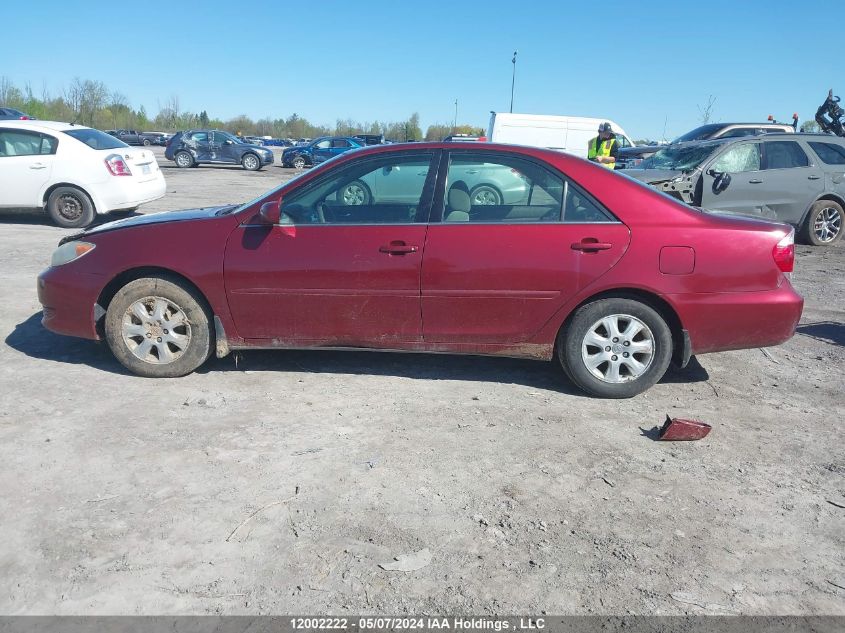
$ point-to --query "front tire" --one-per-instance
(184, 159)
(615, 348)
(299, 163)
(354, 193)
(147, 142)
(158, 328)
(823, 225)
(251, 162)
(70, 208)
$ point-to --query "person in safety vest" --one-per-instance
(603, 149)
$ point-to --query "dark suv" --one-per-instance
(194, 147)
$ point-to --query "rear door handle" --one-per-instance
(398, 248)
(755, 181)
(813, 177)
(591, 245)
(37, 166)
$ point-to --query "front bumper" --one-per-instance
(69, 302)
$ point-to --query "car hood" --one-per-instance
(639, 150)
(151, 218)
(652, 176)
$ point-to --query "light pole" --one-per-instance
(513, 78)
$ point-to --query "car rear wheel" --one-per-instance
(823, 226)
(158, 329)
(70, 208)
(354, 193)
(485, 195)
(147, 142)
(250, 162)
(299, 162)
(184, 159)
(615, 348)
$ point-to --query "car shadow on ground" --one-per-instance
(35, 217)
(32, 339)
(825, 331)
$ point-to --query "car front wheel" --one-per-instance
(299, 162)
(354, 193)
(823, 226)
(147, 142)
(250, 162)
(157, 328)
(615, 348)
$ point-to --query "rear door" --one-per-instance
(792, 180)
(200, 142)
(494, 274)
(744, 191)
(26, 162)
(335, 273)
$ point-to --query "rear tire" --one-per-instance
(147, 142)
(158, 328)
(615, 348)
(184, 159)
(70, 208)
(823, 225)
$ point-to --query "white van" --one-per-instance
(569, 134)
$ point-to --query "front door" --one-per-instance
(26, 160)
(494, 274)
(339, 270)
(734, 181)
(225, 148)
(322, 151)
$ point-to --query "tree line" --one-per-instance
(89, 102)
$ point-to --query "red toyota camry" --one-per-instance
(481, 249)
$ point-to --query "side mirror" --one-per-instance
(271, 212)
(228, 142)
(721, 182)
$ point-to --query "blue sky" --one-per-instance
(642, 64)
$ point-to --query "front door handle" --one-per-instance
(755, 181)
(813, 177)
(398, 247)
(591, 245)
(37, 166)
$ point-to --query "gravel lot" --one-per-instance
(277, 482)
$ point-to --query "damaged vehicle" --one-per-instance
(794, 178)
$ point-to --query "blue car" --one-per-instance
(319, 150)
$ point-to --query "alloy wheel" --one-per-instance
(618, 348)
(827, 224)
(354, 194)
(250, 162)
(156, 330)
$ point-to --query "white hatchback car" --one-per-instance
(73, 172)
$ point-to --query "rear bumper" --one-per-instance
(125, 195)
(719, 322)
(68, 302)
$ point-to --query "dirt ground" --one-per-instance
(278, 482)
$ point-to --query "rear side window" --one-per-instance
(829, 153)
(26, 143)
(95, 139)
(785, 155)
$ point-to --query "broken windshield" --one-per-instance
(700, 133)
(679, 158)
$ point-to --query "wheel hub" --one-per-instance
(618, 348)
(156, 330)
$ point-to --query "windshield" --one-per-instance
(679, 158)
(95, 139)
(699, 133)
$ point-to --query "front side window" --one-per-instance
(25, 143)
(221, 137)
(785, 155)
(386, 190)
(829, 153)
(739, 158)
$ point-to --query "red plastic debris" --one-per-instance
(680, 430)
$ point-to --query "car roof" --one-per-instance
(56, 126)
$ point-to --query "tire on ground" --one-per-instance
(175, 293)
(70, 208)
(572, 338)
(825, 213)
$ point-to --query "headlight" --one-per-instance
(68, 252)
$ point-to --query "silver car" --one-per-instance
(794, 178)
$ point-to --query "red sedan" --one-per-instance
(481, 249)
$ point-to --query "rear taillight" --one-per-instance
(784, 253)
(117, 166)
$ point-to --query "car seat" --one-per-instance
(458, 202)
